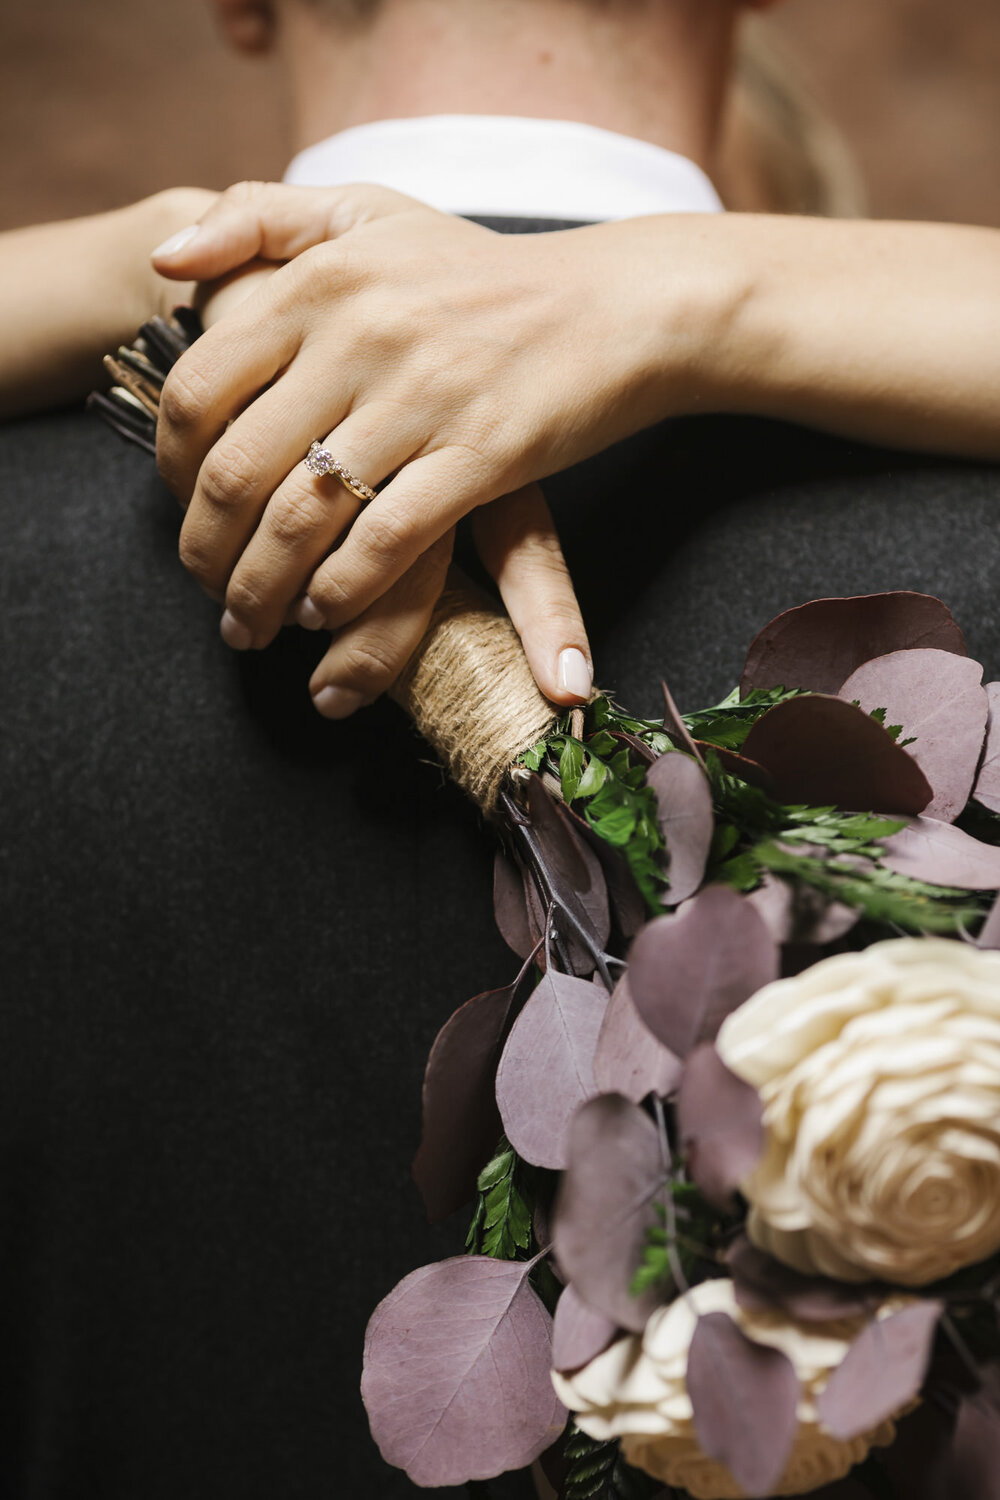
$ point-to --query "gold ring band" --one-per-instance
(320, 460)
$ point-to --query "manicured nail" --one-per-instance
(309, 616)
(574, 673)
(338, 703)
(177, 241)
(234, 633)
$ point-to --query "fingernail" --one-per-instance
(309, 616)
(177, 241)
(574, 673)
(234, 633)
(338, 702)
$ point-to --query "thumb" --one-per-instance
(517, 541)
(270, 221)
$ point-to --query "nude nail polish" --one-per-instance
(235, 633)
(177, 241)
(337, 702)
(309, 616)
(574, 674)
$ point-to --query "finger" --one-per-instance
(272, 220)
(247, 464)
(215, 379)
(368, 655)
(517, 540)
(426, 498)
(305, 517)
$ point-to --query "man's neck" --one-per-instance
(652, 69)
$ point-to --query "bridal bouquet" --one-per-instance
(736, 1201)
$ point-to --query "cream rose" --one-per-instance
(636, 1391)
(880, 1077)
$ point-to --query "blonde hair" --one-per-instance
(779, 151)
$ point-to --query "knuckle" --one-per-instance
(329, 595)
(291, 516)
(369, 662)
(186, 393)
(389, 540)
(245, 598)
(226, 477)
(195, 558)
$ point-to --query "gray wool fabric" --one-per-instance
(231, 930)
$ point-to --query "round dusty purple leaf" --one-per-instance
(987, 787)
(942, 854)
(744, 1399)
(580, 1334)
(605, 1206)
(510, 906)
(687, 972)
(686, 818)
(818, 645)
(461, 1122)
(800, 914)
(822, 750)
(939, 700)
(721, 1122)
(881, 1373)
(547, 1068)
(456, 1372)
(572, 872)
(629, 1060)
(627, 905)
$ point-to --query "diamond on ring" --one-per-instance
(320, 460)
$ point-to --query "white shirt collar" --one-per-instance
(507, 166)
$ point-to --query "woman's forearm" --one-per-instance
(889, 332)
(72, 291)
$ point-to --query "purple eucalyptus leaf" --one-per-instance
(687, 972)
(461, 1121)
(605, 1206)
(762, 1283)
(642, 752)
(675, 726)
(822, 750)
(721, 1123)
(547, 1068)
(800, 914)
(881, 1372)
(818, 645)
(629, 1060)
(580, 1332)
(744, 1399)
(989, 933)
(627, 905)
(942, 854)
(686, 818)
(573, 872)
(940, 701)
(510, 907)
(987, 787)
(456, 1372)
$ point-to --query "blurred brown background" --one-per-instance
(103, 101)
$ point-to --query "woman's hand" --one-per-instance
(414, 345)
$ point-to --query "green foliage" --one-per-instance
(602, 781)
(597, 1471)
(501, 1222)
(729, 722)
(754, 834)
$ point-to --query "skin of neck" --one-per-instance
(652, 69)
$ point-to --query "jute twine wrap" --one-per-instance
(470, 692)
